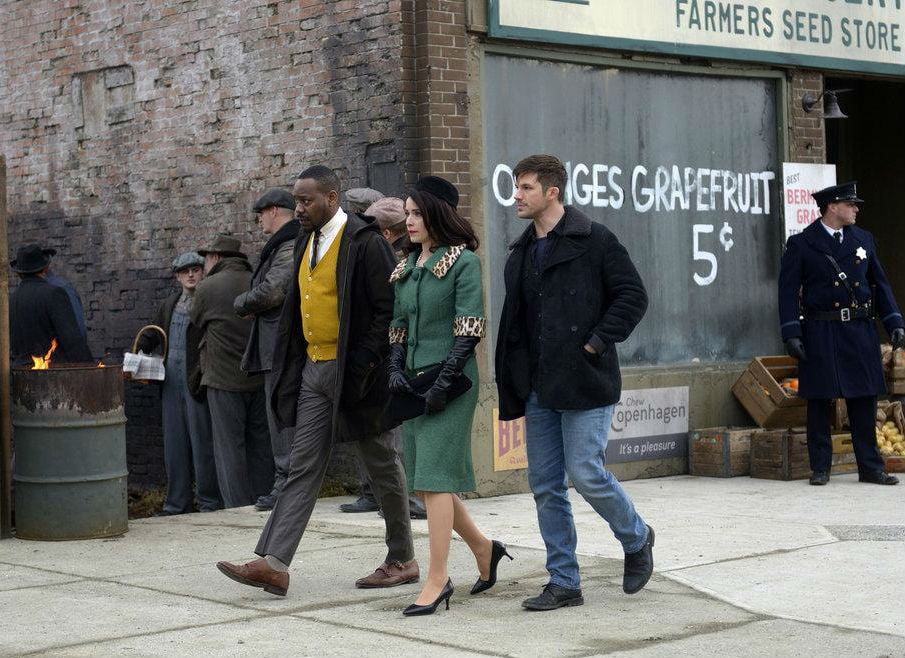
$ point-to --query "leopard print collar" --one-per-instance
(440, 269)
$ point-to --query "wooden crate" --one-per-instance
(894, 463)
(722, 452)
(764, 399)
(843, 454)
(780, 455)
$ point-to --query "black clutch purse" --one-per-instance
(404, 406)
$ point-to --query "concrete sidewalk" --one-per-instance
(743, 568)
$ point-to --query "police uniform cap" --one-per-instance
(834, 193)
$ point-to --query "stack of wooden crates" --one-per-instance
(777, 449)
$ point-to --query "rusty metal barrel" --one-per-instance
(69, 429)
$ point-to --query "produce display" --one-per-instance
(890, 440)
(890, 427)
(790, 386)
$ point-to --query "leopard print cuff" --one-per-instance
(469, 326)
(398, 335)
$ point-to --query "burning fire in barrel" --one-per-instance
(70, 467)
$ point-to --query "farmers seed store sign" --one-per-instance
(853, 35)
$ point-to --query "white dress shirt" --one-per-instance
(328, 233)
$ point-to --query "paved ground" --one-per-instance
(743, 568)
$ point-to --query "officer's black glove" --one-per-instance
(795, 348)
(396, 380)
(463, 349)
(897, 337)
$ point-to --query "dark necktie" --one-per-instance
(838, 236)
(314, 240)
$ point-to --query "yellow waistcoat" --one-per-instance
(320, 302)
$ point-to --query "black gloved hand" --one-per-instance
(897, 338)
(795, 348)
(463, 349)
(396, 379)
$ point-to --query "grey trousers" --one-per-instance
(279, 440)
(241, 445)
(187, 445)
(309, 457)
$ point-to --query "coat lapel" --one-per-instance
(819, 239)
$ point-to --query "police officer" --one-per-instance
(831, 289)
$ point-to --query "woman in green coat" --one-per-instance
(439, 319)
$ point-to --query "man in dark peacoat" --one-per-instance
(572, 293)
(40, 312)
(335, 390)
(836, 343)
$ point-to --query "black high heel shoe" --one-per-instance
(499, 550)
(414, 610)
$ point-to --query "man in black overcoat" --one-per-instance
(40, 312)
(572, 293)
(832, 288)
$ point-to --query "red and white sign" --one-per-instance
(799, 180)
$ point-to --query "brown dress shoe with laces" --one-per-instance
(390, 574)
(257, 574)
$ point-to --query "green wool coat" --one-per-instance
(435, 303)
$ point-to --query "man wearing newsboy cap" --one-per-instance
(242, 453)
(40, 313)
(832, 289)
(262, 302)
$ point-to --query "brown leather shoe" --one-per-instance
(390, 574)
(257, 573)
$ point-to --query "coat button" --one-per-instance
(857, 284)
(574, 328)
(412, 340)
(572, 291)
(416, 275)
(836, 283)
(836, 304)
(857, 261)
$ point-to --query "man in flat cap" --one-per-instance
(389, 213)
(187, 441)
(40, 312)
(358, 199)
(831, 289)
(242, 451)
(276, 213)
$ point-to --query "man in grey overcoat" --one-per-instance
(276, 213)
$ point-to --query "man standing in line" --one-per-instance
(330, 382)
(831, 276)
(276, 212)
(40, 313)
(387, 212)
(572, 293)
(188, 444)
(238, 417)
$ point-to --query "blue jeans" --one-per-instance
(572, 444)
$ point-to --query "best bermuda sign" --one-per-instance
(853, 35)
(649, 424)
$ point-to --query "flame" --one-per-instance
(100, 364)
(43, 362)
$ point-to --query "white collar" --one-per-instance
(831, 231)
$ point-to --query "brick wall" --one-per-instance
(135, 130)
(439, 82)
(807, 140)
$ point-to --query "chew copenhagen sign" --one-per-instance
(853, 35)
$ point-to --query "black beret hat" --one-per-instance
(440, 188)
(275, 196)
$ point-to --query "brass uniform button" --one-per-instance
(857, 284)
(836, 304)
(836, 283)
